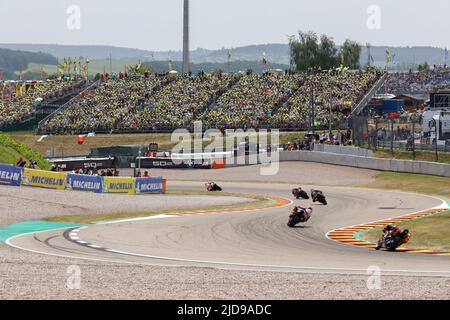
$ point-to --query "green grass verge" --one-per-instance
(254, 201)
(443, 157)
(11, 150)
(432, 233)
(424, 184)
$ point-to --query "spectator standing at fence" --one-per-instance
(21, 163)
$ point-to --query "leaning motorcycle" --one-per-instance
(320, 198)
(212, 187)
(297, 217)
(300, 194)
(392, 243)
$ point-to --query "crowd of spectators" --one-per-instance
(111, 105)
(165, 102)
(417, 82)
(339, 92)
(18, 108)
(178, 103)
(252, 101)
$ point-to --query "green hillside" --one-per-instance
(11, 150)
(8, 155)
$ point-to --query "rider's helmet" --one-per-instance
(405, 233)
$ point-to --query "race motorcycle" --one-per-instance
(393, 242)
(299, 215)
(318, 197)
(212, 187)
(298, 193)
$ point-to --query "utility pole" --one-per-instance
(110, 64)
(311, 112)
(186, 62)
(369, 55)
(331, 121)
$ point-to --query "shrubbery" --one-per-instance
(25, 151)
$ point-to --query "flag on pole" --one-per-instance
(446, 55)
(264, 60)
(342, 58)
(22, 88)
(388, 57)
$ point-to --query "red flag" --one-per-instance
(393, 115)
(81, 139)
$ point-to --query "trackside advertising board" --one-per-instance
(149, 185)
(44, 179)
(10, 175)
(81, 182)
(118, 185)
(15, 176)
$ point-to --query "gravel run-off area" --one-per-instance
(25, 275)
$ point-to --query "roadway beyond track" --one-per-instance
(252, 241)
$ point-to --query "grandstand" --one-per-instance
(164, 102)
(24, 102)
(160, 103)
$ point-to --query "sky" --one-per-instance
(157, 24)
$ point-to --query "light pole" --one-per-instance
(311, 112)
(331, 120)
(436, 135)
(392, 136)
(87, 70)
(139, 164)
(414, 119)
(186, 68)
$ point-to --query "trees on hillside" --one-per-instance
(308, 51)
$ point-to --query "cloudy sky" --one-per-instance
(157, 24)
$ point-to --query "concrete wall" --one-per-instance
(407, 166)
(352, 151)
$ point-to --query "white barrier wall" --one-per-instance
(351, 151)
(407, 166)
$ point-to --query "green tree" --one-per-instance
(424, 66)
(304, 50)
(307, 52)
(350, 53)
(327, 53)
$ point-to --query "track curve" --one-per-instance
(257, 240)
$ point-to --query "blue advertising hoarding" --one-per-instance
(10, 175)
(149, 185)
(81, 182)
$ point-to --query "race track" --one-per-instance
(258, 240)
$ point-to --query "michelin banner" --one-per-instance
(10, 175)
(149, 185)
(118, 185)
(80, 182)
(44, 179)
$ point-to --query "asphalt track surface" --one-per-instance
(254, 241)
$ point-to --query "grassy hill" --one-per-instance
(8, 155)
(11, 150)
(404, 57)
